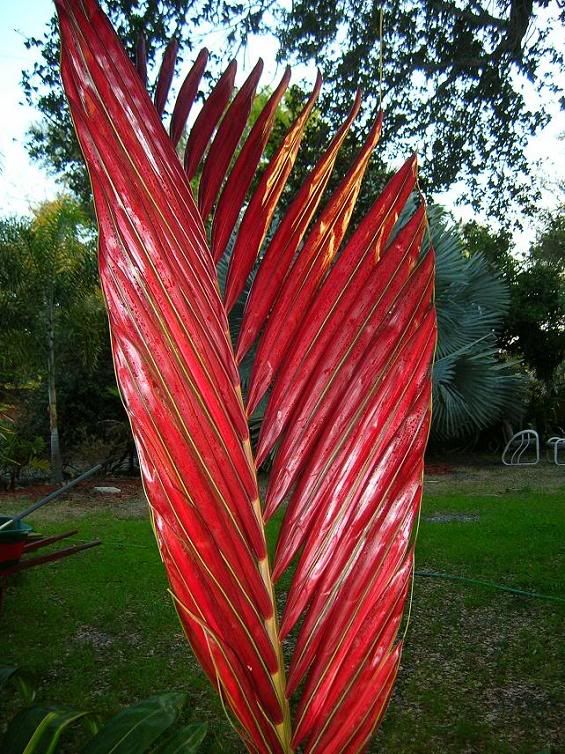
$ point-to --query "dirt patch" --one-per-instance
(93, 637)
(507, 690)
(492, 479)
(32, 491)
(448, 518)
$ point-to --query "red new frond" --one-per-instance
(345, 331)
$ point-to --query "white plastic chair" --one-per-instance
(519, 444)
(556, 444)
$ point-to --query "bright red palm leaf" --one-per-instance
(346, 341)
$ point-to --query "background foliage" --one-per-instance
(475, 386)
(49, 279)
(452, 85)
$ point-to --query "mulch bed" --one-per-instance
(128, 488)
(131, 487)
(438, 469)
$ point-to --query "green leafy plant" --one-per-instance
(18, 679)
(148, 726)
(18, 450)
(344, 332)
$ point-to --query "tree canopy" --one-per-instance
(453, 83)
(533, 328)
(50, 258)
(537, 315)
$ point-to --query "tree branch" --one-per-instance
(477, 19)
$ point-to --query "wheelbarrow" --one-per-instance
(18, 540)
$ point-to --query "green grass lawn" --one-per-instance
(481, 671)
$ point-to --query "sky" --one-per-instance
(24, 184)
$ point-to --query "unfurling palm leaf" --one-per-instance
(346, 339)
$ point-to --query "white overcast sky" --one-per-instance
(24, 184)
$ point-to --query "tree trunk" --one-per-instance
(56, 460)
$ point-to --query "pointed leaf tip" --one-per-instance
(166, 76)
(226, 140)
(141, 58)
(187, 95)
(207, 120)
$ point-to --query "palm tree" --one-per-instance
(474, 386)
(48, 291)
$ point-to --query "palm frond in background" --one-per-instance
(474, 386)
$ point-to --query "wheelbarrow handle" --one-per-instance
(52, 496)
(51, 557)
